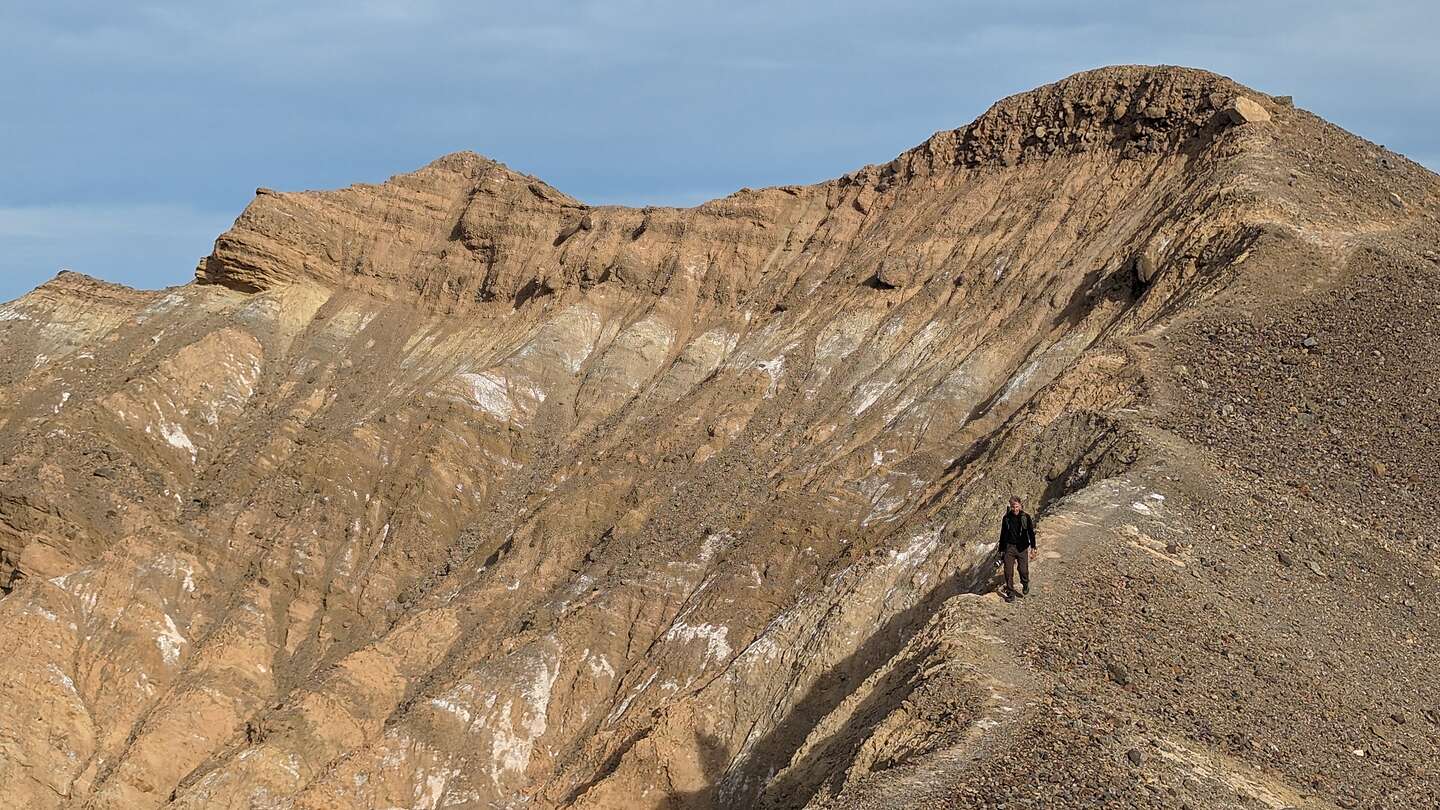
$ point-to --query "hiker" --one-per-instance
(1017, 547)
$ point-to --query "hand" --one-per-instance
(1034, 554)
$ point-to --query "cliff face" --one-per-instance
(465, 231)
(456, 492)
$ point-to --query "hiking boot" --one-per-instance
(1009, 595)
(1025, 589)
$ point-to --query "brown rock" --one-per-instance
(1147, 264)
(425, 507)
(894, 275)
(1145, 268)
(1242, 110)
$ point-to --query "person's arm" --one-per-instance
(1030, 529)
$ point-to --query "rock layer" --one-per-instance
(454, 491)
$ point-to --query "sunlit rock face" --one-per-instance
(454, 491)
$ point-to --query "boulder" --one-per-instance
(1145, 268)
(894, 273)
(1242, 110)
(1147, 262)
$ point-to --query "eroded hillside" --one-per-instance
(454, 491)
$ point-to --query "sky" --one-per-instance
(133, 133)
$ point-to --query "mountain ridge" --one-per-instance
(491, 210)
(454, 491)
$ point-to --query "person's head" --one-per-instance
(1014, 504)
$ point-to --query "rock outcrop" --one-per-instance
(1244, 111)
(454, 491)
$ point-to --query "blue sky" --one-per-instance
(134, 133)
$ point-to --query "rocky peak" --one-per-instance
(1129, 110)
(452, 491)
(72, 284)
(465, 230)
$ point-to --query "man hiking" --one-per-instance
(1017, 547)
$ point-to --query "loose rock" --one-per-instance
(1246, 111)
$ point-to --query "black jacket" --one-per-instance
(1017, 530)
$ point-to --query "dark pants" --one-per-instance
(1014, 556)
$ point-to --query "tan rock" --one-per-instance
(1145, 268)
(894, 273)
(1148, 262)
(455, 491)
(1242, 110)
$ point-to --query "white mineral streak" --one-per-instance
(519, 724)
(169, 640)
(490, 394)
(176, 437)
(717, 646)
